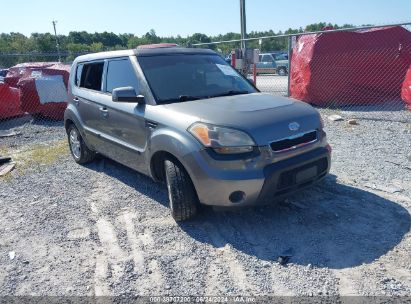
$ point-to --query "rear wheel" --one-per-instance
(282, 71)
(78, 148)
(181, 192)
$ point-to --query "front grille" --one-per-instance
(294, 142)
(288, 179)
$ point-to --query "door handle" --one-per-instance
(104, 111)
(76, 100)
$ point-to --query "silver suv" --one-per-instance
(188, 119)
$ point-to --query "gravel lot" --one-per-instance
(103, 229)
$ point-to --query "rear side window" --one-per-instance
(120, 73)
(91, 75)
(78, 74)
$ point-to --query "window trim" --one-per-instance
(90, 62)
(105, 72)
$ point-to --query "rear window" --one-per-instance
(91, 76)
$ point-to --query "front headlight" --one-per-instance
(222, 140)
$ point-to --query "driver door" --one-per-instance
(125, 124)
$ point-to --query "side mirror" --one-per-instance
(127, 94)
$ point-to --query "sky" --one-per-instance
(185, 17)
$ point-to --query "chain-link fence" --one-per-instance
(353, 73)
(359, 72)
(33, 97)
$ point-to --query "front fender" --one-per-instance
(177, 143)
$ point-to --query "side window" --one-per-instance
(91, 76)
(267, 58)
(79, 70)
(120, 73)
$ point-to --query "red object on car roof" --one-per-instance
(406, 89)
(157, 45)
(349, 68)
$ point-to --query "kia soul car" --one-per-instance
(186, 118)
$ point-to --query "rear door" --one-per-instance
(87, 96)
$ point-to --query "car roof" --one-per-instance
(142, 53)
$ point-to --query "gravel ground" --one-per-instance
(103, 229)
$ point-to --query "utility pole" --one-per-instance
(57, 40)
(243, 25)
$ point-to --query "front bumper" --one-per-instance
(259, 185)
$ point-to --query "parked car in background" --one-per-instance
(273, 63)
(188, 119)
(228, 58)
(3, 73)
(266, 64)
(281, 59)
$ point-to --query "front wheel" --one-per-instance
(181, 192)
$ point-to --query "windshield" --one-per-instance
(184, 77)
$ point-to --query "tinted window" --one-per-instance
(120, 73)
(91, 76)
(78, 74)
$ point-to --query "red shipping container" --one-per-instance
(406, 89)
(9, 101)
(349, 68)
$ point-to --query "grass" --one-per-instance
(33, 156)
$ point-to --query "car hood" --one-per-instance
(263, 116)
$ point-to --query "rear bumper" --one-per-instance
(259, 186)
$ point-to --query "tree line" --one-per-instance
(16, 47)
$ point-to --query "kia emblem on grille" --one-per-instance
(294, 126)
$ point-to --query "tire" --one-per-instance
(282, 72)
(78, 148)
(181, 192)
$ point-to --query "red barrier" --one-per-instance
(406, 89)
(233, 59)
(43, 87)
(24, 70)
(9, 101)
(348, 68)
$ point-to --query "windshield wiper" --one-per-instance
(230, 93)
(187, 98)
(180, 98)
